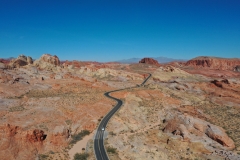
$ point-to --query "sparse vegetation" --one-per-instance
(111, 150)
(79, 136)
(42, 156)
(17, 108)
(68, 122)
(81, 156)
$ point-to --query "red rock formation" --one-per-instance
(218, 134)
(78, 64)
(149, 61)
(217, 83)
(214, 63)
(17, 143)
(220, 83)
(5, 61)
(36, 136)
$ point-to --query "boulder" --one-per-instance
(218, 134)
(18, 63)
(185, 125)
(220, 83)
(237, 68)
(217, 83)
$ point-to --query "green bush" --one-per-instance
(111, 150)
(79, 136)
(81, 156)
(42, 156)
(17, 108)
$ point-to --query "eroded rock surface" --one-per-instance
(175, 114)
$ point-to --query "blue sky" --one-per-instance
(108, 30)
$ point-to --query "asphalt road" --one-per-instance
(100, 152)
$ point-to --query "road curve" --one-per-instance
(100, 152)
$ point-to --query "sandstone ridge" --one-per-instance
(214, 63)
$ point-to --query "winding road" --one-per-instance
(100, 152)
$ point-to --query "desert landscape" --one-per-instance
(50, 109)
(119, 80)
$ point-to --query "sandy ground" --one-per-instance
(77, 148)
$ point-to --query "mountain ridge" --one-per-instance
(159, 59)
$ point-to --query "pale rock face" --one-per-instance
(29, 60)
(166, 73)
(47, 62)
(60, 135)
(106, 72)
(22, 60)
(237, 68)
(2, 66)
(184, 124)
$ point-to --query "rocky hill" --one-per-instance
(149, 61)
(159, 59)
(47, 61)
(214, 63)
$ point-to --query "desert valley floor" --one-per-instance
(186, 110)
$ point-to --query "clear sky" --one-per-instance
(107, 30)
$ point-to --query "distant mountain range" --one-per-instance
(159, 59)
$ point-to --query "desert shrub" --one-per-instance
(68, 122)
(79, 136)
(112, 133)
(81, 156)
(42, 156)
(17, 108)
(111, 150)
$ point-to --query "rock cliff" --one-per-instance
(214, 63)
